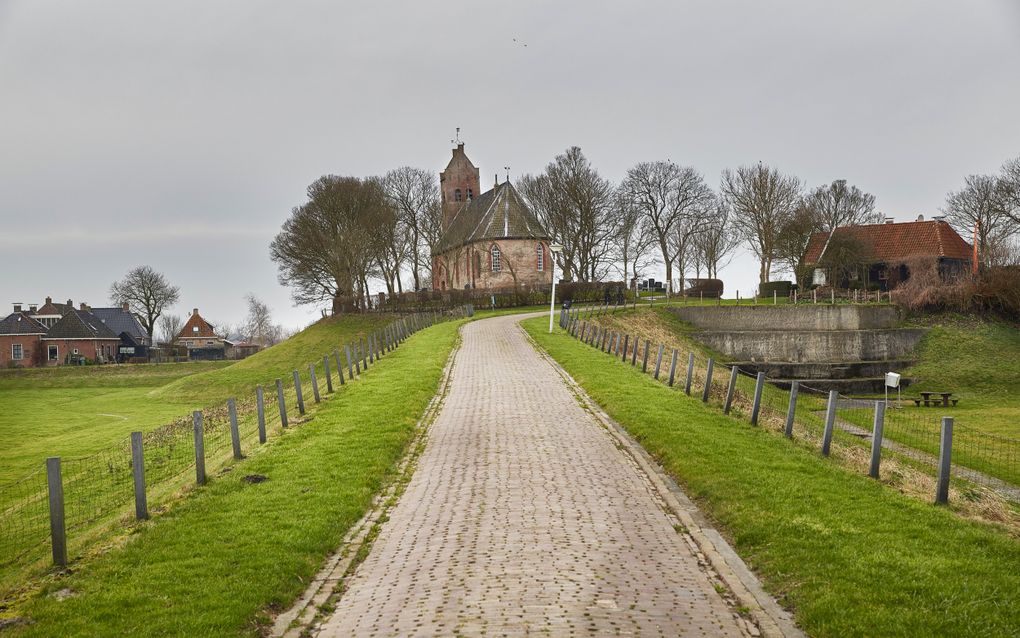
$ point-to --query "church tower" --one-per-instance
(458, 184)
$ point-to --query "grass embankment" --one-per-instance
(75, 411)
(849, 556)
(231, 552)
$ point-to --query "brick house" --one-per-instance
(50, 313)
(200, 338)
(20, 336)
(134, 340)
(79, 336)
(491, 239)
(887, 247)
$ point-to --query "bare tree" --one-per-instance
(837, 204)
(258, 326)
(669, 197)
(328, 248)
(575, 205)
(793, 241)
(633, 239)
(414, 193)
(713, 248)
(169, 327)
(979, 208)
(762, 200)
(1009, 189)
(147, 293)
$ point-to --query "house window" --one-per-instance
(52, 353)
(496, 266)
(456, 195)
(540, 257)
(194, 328)
(76, 350)
(17, 352)
(470, 194)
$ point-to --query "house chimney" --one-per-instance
(125, 307)
(17, 307)
(920, 218)
(195, 311)
(49, 299)
(84, 307)
(890, 220)
(32, 307)
(70, 304)
(496, 179)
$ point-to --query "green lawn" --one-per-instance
(219, 560)
(849, 555)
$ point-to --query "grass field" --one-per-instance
(848, 555)
(74, 411)
(224, 558)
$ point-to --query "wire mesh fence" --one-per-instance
(99, 488)
(913, 435)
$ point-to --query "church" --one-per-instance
(490, 240)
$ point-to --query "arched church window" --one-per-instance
(496, 265)
(478, 263)
(470, 194)
(456, 195)
(540, 257)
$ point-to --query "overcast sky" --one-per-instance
(180, 134)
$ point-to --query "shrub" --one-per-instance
(707, 288)
(995, 290)
(780, 288)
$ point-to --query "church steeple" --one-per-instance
(458, 184)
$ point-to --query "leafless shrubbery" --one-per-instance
(994, 290)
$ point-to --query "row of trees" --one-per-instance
(668, 214)
(352, 230)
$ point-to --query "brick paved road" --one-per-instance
(523, 517)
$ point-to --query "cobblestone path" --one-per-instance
(524, 517)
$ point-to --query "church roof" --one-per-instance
(499, 213)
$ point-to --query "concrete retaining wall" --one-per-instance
(813, 345)
(800, 317)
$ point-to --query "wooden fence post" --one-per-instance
(658, 361)
(734, 371)
(315, 383)
(830, 421)
(759, 385)
(235, 434)
(260, 409)
(708, 381)
(371, 348)
(339, 367)
(672, 368)
(791, 412)
(280, 403)
(626, 345)
(690, 373)
(945, 461)
(876, 439)
(633, 358)
(644, 357)
(300, 396)
(138, 474)
(58, 531)
(350, 364)
(196, 418)
(329, 375)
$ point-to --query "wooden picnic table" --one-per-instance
(927, 398)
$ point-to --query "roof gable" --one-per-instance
(499, 213)
(20, 323)
(205, 329)
(79, 324)
(891, 243)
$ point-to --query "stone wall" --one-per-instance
(800, 317)
(822, 346)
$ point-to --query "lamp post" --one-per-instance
(555, 249)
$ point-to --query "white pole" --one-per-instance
(552, 297)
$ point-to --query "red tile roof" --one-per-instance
(205, 329)
(891, 243)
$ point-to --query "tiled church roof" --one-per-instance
(499, 213)
(891, 243)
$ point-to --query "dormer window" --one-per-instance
(456, 195)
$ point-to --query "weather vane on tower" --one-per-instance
(457, 140)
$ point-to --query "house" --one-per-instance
(240, 349)
(884, 251)
(489, 240)
(50, 313)
(20, 336)
(134, 340)
(200, 338)
(80, 337)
